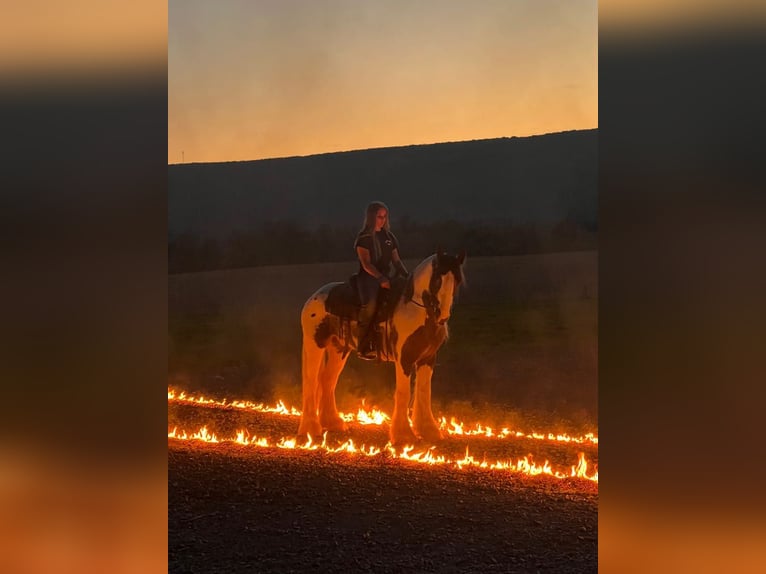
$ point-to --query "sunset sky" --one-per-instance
(252, 79)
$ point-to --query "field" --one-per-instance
(522, 354)
(523, 339)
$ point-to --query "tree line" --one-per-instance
(292, 243)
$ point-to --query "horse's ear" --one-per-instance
(461, 257)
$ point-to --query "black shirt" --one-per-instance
(380, 247)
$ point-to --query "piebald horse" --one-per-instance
(416, 329)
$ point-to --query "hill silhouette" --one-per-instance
(538, 179)
(495, 195)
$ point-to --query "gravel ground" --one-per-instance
(235, 508)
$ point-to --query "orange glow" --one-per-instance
(375, 416)
(104, 34)
(249, 83)
(644, 15)
(524, 465)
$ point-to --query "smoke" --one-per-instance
(524, 339)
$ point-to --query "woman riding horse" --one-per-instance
(377, 248)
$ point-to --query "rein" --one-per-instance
(416, 303)
(431, 307)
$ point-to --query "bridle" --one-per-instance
(432, 305)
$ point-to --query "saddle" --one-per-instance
(343, 300)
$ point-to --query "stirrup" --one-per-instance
(367, 351)
(368, 355)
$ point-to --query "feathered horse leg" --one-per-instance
(401, 432)
(423, 420)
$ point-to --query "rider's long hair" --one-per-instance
(369, 216)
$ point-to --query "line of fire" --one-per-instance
(372, 416)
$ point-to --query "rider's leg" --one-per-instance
(368, 294)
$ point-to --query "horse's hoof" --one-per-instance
(310, 428)
(301, 439)
(334, 439)
(431, 435)
(338, 425)
(400, 440)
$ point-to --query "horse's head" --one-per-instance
(444, 279)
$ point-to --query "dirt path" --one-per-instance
(236, 509)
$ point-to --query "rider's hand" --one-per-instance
(385, 283)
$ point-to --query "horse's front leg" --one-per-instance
(422, 417)
(401, 432)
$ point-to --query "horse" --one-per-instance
(415, 328)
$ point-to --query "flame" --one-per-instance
(582, 469)
(426, 457)
(375, 416)
(201, 435)
(279, 408)
(522, 466)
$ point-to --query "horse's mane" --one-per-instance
(444, 263)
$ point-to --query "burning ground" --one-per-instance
(239, 506)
